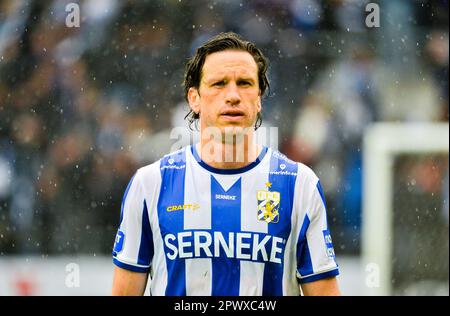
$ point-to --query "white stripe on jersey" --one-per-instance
(290, 284)
(199, 278)
(131, 224)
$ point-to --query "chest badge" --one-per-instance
(268, 205)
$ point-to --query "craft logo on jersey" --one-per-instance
(181, 207)
(268, 205)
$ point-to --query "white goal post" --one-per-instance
(382, 142)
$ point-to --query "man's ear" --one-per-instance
(194, 99)
(258, 104)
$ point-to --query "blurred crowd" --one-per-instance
(81, 108)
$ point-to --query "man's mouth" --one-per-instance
(232, 114)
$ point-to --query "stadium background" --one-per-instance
(81, 108)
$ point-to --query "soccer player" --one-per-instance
(198, 222)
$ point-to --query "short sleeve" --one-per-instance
(315, 253)
(133, 246)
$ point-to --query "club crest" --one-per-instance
(268, 205)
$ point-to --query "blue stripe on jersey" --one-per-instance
(225, 218)
(322, 196)
(124, 198)
(304, 262)
(320, 276)
(146, 247)
(319, 187)
(173, 171)
(282, 176)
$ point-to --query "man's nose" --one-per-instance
(232, 94)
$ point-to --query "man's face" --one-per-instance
(229, 94)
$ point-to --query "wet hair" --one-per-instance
(218, 43)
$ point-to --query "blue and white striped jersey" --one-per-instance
(258, 230)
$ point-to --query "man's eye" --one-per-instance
(244, 83)
(219, 83)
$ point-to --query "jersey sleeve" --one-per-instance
(133, 246)
(315, 252)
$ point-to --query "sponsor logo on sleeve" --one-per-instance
(329, 244)
(118, 244)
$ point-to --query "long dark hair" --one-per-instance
(221, 42)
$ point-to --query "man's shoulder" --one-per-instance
(302, 170)
(173, 160)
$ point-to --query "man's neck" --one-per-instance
(223, 155)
